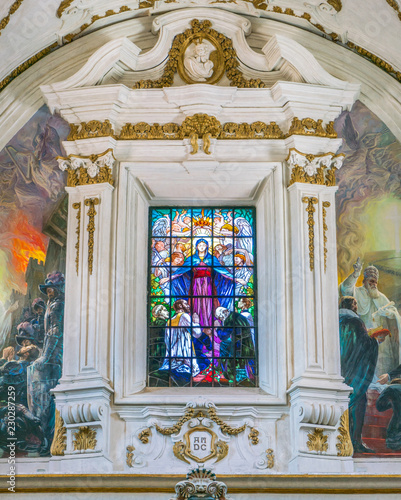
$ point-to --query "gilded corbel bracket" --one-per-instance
(201, 125)
(77, 206)
(84, 170)
(325, 205)
(310, 209)
(91, 203)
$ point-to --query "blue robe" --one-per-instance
(183, 280)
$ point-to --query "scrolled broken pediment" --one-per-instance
(192, 48)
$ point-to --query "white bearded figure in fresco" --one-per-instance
(375, 310)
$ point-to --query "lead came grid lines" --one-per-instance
(202, 327)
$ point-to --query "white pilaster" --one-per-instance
(83, 394)
(318, 395)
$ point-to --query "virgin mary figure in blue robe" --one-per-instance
(205, 282)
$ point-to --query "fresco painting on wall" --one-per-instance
(33, 220)
(369, 269)
(33, 224)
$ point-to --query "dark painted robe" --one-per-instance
(358, 362)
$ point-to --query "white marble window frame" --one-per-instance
(129, 318)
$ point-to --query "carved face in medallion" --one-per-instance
(201, 60)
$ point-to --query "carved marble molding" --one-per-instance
(83, 170)
(200, 436)
(314, 169)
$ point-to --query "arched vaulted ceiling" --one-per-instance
(31, 31)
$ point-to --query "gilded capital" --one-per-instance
(314, 169)
(83, 170)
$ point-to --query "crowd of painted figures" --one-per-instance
(370, 326)
(202, 328)
(30, 370)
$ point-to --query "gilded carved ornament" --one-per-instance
(77, 207)
(83, 170)
(270, 458)
(87, 130)
(85, 439)
(194, 127)
(191, 414)
(63, 5)
(344, 445)
(314, 169)
(310, 209)
(60, 437)
(27, 64)
(201, 125)
(72, 36)
(308, 126)
(144, 436)
(91, 203)
(325, 205)
(317, 441)
(336, 4)
(224, 59)
(130, 455)
(394, 5)
(6, 19)
(183, 449)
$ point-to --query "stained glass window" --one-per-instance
(202, 298)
